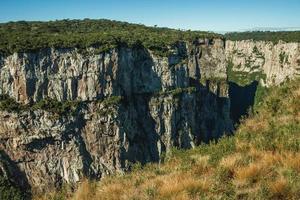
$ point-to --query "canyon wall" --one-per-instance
(267, 62)
(132, 106)
(67, 74)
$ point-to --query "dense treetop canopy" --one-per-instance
(287, 36)
(102, 34)
(24, 36)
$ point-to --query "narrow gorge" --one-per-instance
(68, 114)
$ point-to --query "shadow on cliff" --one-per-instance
(137, 124)
(146, 144)
(82, 146)
(15, 177)
(214, 112)
(242, 99)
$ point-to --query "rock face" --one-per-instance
(175, 101)
(133, 105)
(65, 74)
(269, 63)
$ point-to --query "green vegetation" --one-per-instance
(213, 80)
(71, 107)
(8, 191)
(51, 105)
(108, 105)
(57, 107)
(178, 91)
(61, 108)
(287, 36)
(113, 100)
(255, 50)
(9, 104)
(258, 53)
(260, 94)
(283, 58)
(102, 34)
(261, 161)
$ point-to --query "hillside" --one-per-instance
(102, 34)
(261, 161)
(287, 36)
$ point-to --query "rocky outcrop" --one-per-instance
(267, 62)
(252, 66)
(133, 106)
(66, 74)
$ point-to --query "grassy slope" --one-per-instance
(262, 161)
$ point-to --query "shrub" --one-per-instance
(9, 104)
(8, 191)
(113, 100)
(54, 106)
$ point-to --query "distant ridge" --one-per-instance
(273, 29)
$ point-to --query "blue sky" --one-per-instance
(213, 15)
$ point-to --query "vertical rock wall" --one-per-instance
(176, 101)
(267, 62)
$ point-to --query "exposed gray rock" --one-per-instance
(175, 101)
(272, 63)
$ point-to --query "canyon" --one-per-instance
(131, 104)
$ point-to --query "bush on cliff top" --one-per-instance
(287, 36)
(103, 34)
(261, 161)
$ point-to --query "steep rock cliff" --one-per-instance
(165, 102)
(66, 74)
(267, 62)
(132, 105)
(254, 66)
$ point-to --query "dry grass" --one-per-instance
(182, 184)
(112, 192)
(85, 191)
(248, 174)
(292, 161)
(255, 125)
(262, 161)
(171, 186)
(279, 187)
(230, 162)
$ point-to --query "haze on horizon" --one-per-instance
(213, 15)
